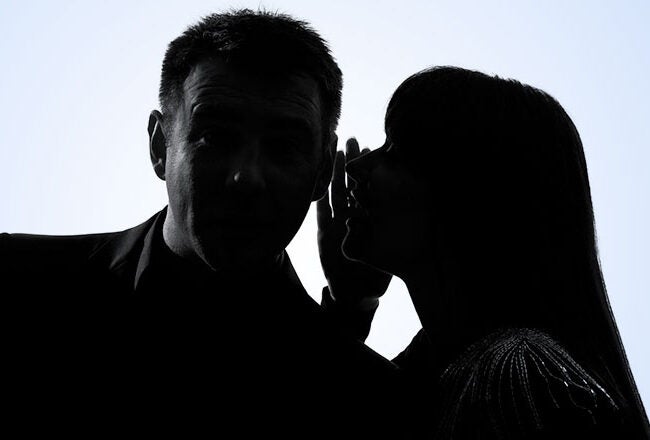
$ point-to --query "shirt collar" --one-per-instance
(155, 255)
(146, 256)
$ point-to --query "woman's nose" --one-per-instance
(359, 168)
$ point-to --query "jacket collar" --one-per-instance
(121, 252)
(128, 255)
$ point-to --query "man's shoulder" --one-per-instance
(35, 245)
(36, 254)
(57, 248)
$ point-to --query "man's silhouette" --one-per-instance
(198, 310)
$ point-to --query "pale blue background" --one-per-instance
(78, 79)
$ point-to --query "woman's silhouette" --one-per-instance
(479, 201)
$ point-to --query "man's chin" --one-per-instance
(238, 261)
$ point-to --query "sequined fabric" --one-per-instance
(521, 384)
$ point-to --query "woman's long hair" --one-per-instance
(513, 203)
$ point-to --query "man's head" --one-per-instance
(250, 102)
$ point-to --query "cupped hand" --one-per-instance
(351, 283)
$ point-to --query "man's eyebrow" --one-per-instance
(214, 109)
(292, 123)
(224, 112)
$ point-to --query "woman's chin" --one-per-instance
(359, 244)
(354, 246)
(355, 250)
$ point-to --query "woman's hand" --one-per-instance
(352, 284)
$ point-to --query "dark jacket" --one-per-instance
(104, 331)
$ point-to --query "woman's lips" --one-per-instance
(352, 222)
(357, 215)
(357, 209)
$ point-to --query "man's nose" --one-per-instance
(247, 173)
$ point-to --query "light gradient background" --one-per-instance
(79, 78)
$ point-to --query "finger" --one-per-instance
(339, 194)
(351, 149)
(366, 150)
(323, 211)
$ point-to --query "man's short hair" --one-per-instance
(275, 43)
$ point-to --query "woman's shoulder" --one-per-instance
(521, 383)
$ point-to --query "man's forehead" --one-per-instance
(215, 80)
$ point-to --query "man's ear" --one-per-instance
(157, 143)
(326, 168)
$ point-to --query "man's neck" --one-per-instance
(176, 242)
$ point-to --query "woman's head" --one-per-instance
(482, 186)
(481, 175)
